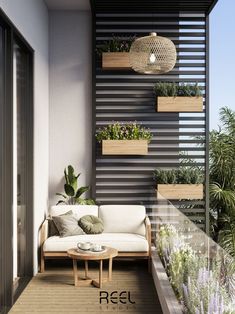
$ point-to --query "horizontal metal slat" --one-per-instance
(127, 96)
(116, 25)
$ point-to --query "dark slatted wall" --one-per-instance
(127, 96)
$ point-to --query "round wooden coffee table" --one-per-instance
(76, 255)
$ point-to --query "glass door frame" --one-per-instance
(9, 293)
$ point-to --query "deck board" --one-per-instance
(54, 292)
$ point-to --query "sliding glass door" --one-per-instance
(16, 164)
(6, 169)
(20, 95)
(1, 162)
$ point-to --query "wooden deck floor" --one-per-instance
(54, 292)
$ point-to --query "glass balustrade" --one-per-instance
(201, 273)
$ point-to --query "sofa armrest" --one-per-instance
(43, 235)
(148, 231)
(43, 232)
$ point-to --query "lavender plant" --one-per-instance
(205, 295)
(118, 131)
(198, 282)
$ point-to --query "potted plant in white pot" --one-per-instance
(72, 193)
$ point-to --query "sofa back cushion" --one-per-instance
(123, 218)
(78, 210)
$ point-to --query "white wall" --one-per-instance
(31, 19)
(70, 97)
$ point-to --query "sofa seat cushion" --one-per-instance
(123, 242)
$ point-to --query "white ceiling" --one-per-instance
(82, 5)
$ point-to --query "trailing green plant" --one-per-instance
(168, 89)
(182, 175)
(72, 194)
(118, 131)
(116, 44)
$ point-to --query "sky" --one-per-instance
(222, 59)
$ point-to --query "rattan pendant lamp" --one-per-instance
(152, 54)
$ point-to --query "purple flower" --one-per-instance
(211, 305)
(202, 308)
(185, 289)
(222, 305)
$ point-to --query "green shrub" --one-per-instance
(173, 89)
(116, 44)
(118, 131)
(182, 175)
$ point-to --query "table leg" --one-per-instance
(110, 269)
(75, 272)
(86, 269)
(100, 273)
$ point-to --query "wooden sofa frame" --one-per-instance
(43, 235)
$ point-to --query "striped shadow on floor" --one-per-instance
(54, 292)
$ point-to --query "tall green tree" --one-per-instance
(222, 181)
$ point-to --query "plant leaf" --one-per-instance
(89, 201)
(60, 202)
(81, 190)
(72, 178)
(69, 190)
(222, 198)
(60, 194)
(227, 235)
(66, 176)
(70, 174)
(85, 201)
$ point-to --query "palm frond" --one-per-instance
(227, 234)
(222, 199)
(227, 117)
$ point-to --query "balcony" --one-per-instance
(56, 92)
(190, 274)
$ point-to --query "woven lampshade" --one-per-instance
(152, 54)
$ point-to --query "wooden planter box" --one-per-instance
(125, 147)
(180, 191)
(115, 60)
(179, 104)
(166, 295)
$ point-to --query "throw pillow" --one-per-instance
(52, 229)
(91, 224)
(67, 225)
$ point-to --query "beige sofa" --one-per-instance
(126, 228)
